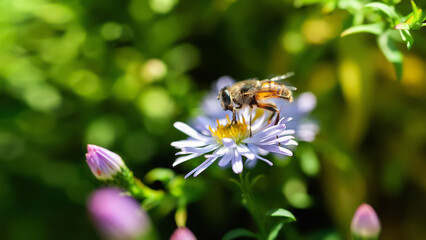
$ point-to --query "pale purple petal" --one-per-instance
(229, 143)
(276, 149)
(265, 160)
(182, 159)
(237, 162)
(280, 140)
(251, 163)
(185, 128)
(188, 143)
(201, 150)
(246, 152)
(209, 162)
(201, 167)
(290, 143)
(218, 153)
(226, 159)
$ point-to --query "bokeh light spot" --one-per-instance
(85, 83)
(111, 31)
(153, 69)
(55, 13)
(156, 103)
(101, 132)
(317, 31)
(42, 97)
(293, 42)
(162, 6)
(183, 57)
(296, 193)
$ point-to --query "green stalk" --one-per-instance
(252, 207)
(134, 186)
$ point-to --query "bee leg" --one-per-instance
(234, 113)
(277, 118)
(271, 107)
(234, 116)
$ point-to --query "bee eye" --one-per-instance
(225, 99)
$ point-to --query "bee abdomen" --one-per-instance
(276, 89)
(285, 93)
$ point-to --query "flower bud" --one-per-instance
(183, 233)
(365, 223)
(103, 163)
(116, 216)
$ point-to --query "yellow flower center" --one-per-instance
(236, 131)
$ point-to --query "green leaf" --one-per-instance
(391, 52)
(386, 9)
(417, 12)
(247, 179)
(159, 174)
(236, 182)
(375, 28)
(280, 212)
(275, 230)
(407, 38)
(238, 232)
(416, 22)
(257, 178)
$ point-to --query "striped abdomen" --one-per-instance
(273, 89)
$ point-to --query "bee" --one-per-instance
(253, 93)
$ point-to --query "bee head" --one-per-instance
(225, 99)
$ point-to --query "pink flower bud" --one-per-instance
(103, 163)
(365, 222)
(116, 216)
(183, 233)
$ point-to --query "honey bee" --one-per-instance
(254, 92)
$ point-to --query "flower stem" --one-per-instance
(134, 186)
(252, 207)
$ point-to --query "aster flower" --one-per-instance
(365, 223)
(103, 163)
(228, 143)
(117, 217)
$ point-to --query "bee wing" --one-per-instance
(269, 91)
(282, 77)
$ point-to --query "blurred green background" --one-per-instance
(119, 73)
